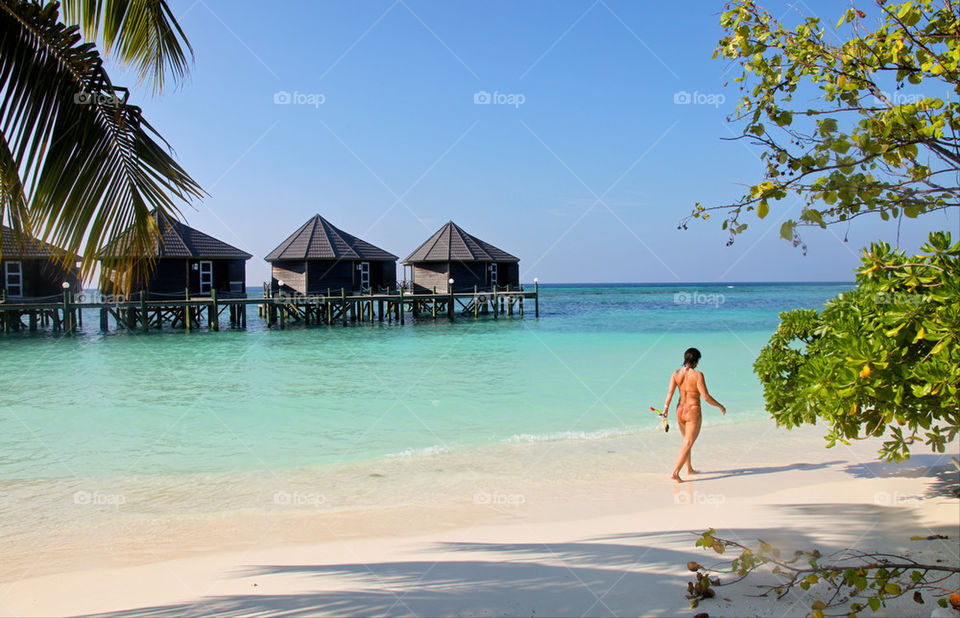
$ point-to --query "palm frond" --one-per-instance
(144, 33)
(91, 166)
(13, 201)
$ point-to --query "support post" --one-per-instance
(67, 326)
(186, 309)
(400, 307)
(213, 318)
(536, 299)
(476, 305)
(144, 318)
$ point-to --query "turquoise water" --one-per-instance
(168, 403)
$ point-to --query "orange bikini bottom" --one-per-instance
(682, 411)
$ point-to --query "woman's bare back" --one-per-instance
(686, 379)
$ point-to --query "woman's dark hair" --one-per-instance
(691, 357)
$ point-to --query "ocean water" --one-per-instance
(107, 438)
(166, 402)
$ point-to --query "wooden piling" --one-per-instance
(536, 299)
(186, 310)
(66, 312)
(213, 315)
(144, 317)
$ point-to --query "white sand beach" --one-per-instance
(611, 540)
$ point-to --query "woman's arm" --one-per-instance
(702, 387)
(670, 389)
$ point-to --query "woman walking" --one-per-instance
(692, 386)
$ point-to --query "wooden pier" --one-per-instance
(142, 313)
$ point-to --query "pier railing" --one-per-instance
(143, 311)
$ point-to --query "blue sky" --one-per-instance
(582, 165)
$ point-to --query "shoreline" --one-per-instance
(512, 493)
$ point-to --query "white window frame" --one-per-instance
(19, 275)
(206, 271)
(493, 274)
(364, 268)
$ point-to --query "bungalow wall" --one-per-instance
(317, 276)
(171, 276)
(39, 277)
(293, 275)
(425, 276)
(466, 275)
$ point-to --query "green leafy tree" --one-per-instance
(843, 583)
(78, 164)
(866, 125)
(881, 360)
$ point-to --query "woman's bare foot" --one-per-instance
(676, 477)
(692, 471)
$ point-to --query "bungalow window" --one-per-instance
(206, 276)
(14, 279)
(364, 268)
(493, 275)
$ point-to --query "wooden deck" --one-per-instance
(143, 314)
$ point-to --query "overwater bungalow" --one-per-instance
(319, 257)
(452, 253)
(33, 269)
(185, 258)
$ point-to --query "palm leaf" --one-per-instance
(92, 167)
(141, 32)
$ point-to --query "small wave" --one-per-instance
(575, 435)
(421, 452)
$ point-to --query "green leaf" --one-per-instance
(762, 209)
(786, 230)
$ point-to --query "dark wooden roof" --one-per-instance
(452, 244)
(26, 248)
(179, 240)
(318, 239)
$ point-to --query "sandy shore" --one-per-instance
(613, 542)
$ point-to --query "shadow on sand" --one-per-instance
(628, 574)
(714, 475)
